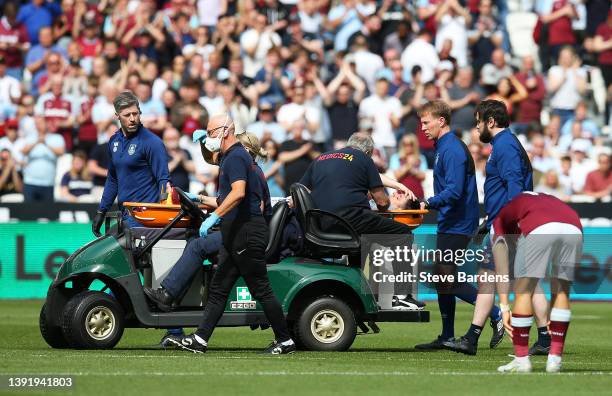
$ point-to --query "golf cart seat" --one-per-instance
(280, 214)
(319, 243)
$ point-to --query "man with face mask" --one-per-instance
(138, 169)
(508, 173)
(243, 205)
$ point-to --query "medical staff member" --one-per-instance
(456, 200)
(138, 168)
(508, 173)
(244, 205)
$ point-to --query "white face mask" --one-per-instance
(214, 144)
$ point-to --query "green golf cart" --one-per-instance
(98, 291)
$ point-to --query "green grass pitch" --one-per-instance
(382, 363)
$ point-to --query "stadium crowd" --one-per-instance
(302, 75)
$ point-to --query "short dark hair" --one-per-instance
(493, 109)
(437, 108)
(124, 100)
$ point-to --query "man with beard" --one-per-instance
(138, 167)
(508, 173)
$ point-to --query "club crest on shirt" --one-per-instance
(115, 146)
(132, 149)
(436, 160)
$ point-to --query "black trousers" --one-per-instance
(392, 233)
(243, 254)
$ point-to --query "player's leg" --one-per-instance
(559, 323)
(522, 319)
(540, 310)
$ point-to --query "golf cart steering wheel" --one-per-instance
(189, 206)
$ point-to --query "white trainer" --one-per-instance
(553, 364)
(517, 365)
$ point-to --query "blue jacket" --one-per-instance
(138, 169)
(508, 173)
(456, 195)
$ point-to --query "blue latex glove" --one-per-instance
(199, 136)
(193, 197)
(210, 221)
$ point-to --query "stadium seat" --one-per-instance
(63, 165)
(520, 30)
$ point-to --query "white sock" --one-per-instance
(554, 359)
(200, 339)
(522, 359)
(288, 342)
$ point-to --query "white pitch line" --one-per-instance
(315, 373)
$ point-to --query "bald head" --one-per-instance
(218, 121)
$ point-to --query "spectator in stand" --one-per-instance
(541, 160)
(494, 71)
(367, 64)
(480, 163)
(13, 142)
(409, 165)
(552, 136)
(588, 127)
(41, 154)
(14, 41)
(266, 127)
(76, 184)
(576, 133)
(371, 31)
(110, 53)
(549, 184)
(242, 114)
(10, 92)
(602, 45)
(399, 39)
(10, 177)
(557, 15)
(344, 20)
(37, 15)
(341, 98)
(255, 44)
(462, 97)
(188, 114)
(453, 20)
(485, 36)
(509, 91)
(25, 115)
(529, 109)
(152, 112)
(99, 160)
(565, 179)
(581, 164)
(272, 168)
(566, 84)
(421, 53)
(310, 17)
(426, 12)
(87, 133)
(296, 154)
(57, 110)
(103, 112)
(180, 164)
(599, 182)
(386, 111)
(272, 79)
(297, 110)
(42, 56)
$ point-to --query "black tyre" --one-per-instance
(326, 324)
(93, 320)
(51, 334)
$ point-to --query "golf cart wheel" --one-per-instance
(51, 334)
(93, 320)
(326, 324)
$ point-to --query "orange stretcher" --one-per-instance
(157, 215)
(410, 217)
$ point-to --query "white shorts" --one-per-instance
(556, 244)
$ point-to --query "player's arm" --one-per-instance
(509, 163)
(454, 178)
(110, 187)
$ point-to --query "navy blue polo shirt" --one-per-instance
(455, 193)
(138, 168)
(508, 173)
(341, 179)
(236, 164)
